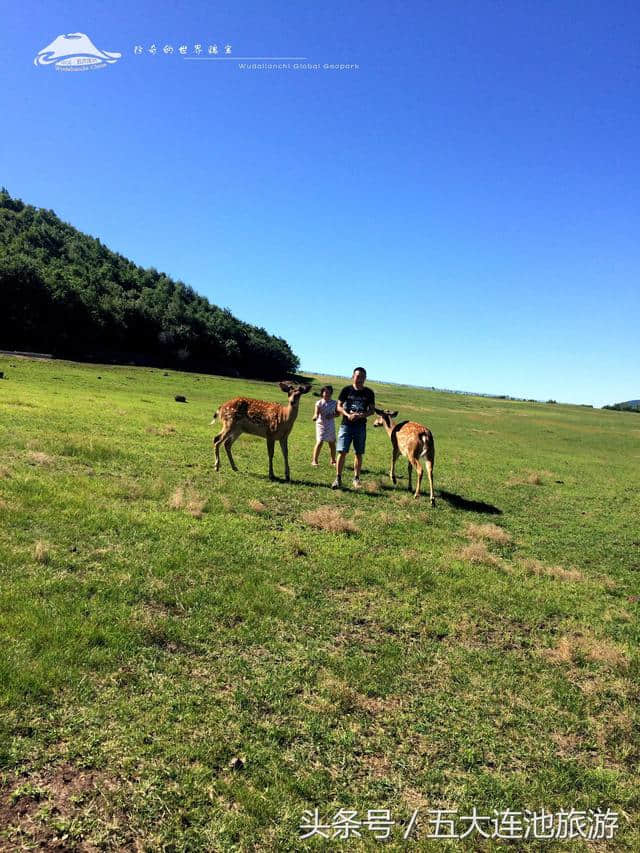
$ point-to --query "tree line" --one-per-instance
(629, 406)
(65, 293)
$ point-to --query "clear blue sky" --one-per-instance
(462, 211)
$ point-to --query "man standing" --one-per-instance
(355, 404)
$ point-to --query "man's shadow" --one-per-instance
(298, 481)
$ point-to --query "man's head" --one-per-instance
(359, 377)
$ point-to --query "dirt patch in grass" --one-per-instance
(377, 766)
(410, 554)
(130, 490)
(499, 633)
(187, 499)
(477, 552)
(535, 567)
(330, 519)
(36, 457)
(257, 506)
(56, 810)
(41, 553)
(166, 429)
(227, 503)
(490, 532)
(566, 744)
(372, 487)
(5, 473)
(531, 478)
(578, 647)
(377, 706)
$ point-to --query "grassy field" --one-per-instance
(191, 660)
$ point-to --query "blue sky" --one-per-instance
(462, 210)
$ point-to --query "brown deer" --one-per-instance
(413, 441)
(257, 417)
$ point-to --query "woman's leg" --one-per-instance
(316, 453)
(332, 450)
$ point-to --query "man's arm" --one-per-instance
(340, 407)
(340, 410)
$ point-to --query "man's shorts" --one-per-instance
(355, 432)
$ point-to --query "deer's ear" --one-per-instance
(393, 414)
(304, 389)
(379, 411)
(285, 386)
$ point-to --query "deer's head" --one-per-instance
(385, 416)
(294, 392)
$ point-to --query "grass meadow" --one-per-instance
(190, 660)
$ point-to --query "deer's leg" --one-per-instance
(392, 473)
(270, 446)
(217, 441)
(429, 463)
(285, 453)
(227, 446)
(418, 466)
(409, 472)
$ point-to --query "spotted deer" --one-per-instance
(270, 421)
(413, 441)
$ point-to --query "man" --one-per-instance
(355, 403)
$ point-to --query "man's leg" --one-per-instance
(344, 441)
(359, 440)
(342, 455)
(357, 465)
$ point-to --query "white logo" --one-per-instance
(75, 52)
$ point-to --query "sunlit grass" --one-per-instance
(190, 660)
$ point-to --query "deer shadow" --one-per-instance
(458, 502)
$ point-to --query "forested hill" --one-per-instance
(63, 292)
(629, 406)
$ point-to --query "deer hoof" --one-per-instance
(433, 501)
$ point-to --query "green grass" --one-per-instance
(187, 665)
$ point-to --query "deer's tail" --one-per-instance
(215, 416)
(428, 448)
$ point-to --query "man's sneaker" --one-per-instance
(356, 482)
(337, 483)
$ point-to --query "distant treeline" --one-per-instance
(64, 292)
(629, 406)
